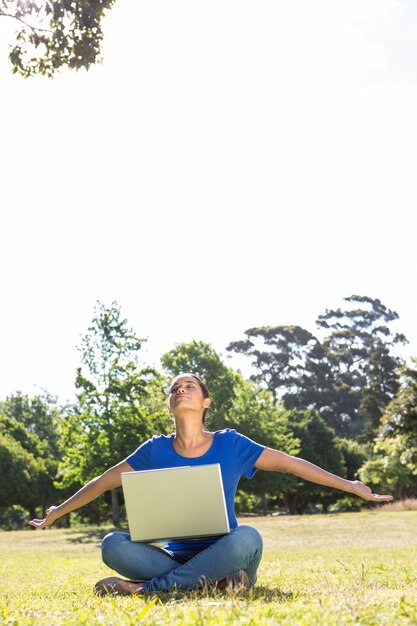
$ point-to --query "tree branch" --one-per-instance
(19, 19)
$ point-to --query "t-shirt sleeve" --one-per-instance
(247, 453)
(141, 458)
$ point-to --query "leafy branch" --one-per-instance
(55, 34)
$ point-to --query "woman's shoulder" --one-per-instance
(162, 437)
(225, 433)
(231, 435)
(159, 440)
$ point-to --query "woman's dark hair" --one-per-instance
(203, 387)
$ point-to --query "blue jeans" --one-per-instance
(163, 570)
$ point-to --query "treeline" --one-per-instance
(343, 399)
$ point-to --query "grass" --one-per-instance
(325, 570)
(409, 504)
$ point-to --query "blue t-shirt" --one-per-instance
(235, 453)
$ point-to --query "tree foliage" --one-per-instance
(27, 470)
(400, 416)
(52, 34)
(359, 350)
(119, 405)
(40, 416)
(393, 465)
(255, 414)
(348, 376)
(284, 362)
(30, 430)
(318, 444)
(18, 470)
(324, 400)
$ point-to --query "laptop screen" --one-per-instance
(175, 503)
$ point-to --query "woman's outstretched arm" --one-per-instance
(277, 461)
(109, 480)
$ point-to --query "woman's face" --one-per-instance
(186, 392)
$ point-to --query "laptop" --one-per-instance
(175, 503)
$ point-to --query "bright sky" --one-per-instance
(231, 164)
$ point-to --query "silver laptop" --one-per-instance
(175, 503)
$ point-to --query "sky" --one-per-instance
(229, 164)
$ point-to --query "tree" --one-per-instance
(29, 441)
(400, 416)
(18, 469)
(279, 367)
(319, 445)
(34, 424)
(40, 415)
(393, 467)
(394, 463)
(53, 34)
(358, 349)
(348, 377)
(255, 414)
(354, 456)
(26, 469)
(119, 405)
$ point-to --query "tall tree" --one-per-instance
(256, 414)
(358, 348)
(40, 415)
(18, 470)
(348, 377)
(27, 471)
(279, 355)
(52, 34)
(400, 416)
(319, 445)
(119, 405)
(393, 465)
(35, 426)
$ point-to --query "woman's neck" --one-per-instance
(190, 435)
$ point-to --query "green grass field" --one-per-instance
(345, 569)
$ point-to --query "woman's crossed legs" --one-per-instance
(241, 549)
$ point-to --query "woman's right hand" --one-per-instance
(51, 516)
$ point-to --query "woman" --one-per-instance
(230, 560)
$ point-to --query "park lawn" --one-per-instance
(345, 569)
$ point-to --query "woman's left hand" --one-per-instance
(359, 489)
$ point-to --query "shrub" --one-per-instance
(13, 517)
